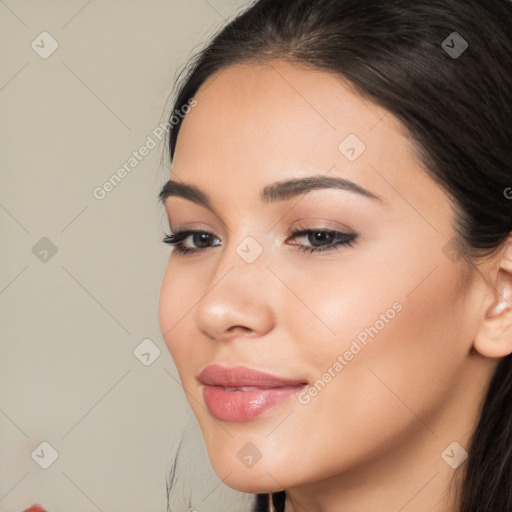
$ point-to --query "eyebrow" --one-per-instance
(279, 191)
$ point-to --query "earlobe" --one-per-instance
(494, 336)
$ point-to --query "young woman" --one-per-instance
(338, 298)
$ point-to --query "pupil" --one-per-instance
(203, 238)
(322, 236)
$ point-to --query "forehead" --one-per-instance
(259, 123)
(282, 106)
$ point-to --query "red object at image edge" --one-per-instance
(35, 508)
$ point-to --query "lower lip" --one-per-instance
(240, 406)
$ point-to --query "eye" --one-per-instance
(321, 239)
(318, 239)
(200, 240)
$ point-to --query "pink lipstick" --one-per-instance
(240, 394)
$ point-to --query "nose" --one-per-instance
(236, 301)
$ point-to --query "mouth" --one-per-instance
(241, 394)
(249, 388)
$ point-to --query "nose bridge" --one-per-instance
(236, 292)
(244, 256)
(241, 267)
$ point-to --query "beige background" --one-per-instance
(70, 322)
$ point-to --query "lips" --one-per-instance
(216, 375)
(240, 394)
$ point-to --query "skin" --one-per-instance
(388, 415)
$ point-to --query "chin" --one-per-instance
(253, 483)
(259, 475)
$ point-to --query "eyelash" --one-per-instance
(177, 238)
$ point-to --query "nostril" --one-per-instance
(239, 328)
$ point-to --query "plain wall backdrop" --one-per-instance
(81, 261)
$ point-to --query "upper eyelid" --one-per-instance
(320, 225)
(323, 224)
(217, 218)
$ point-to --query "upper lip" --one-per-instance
(217, 375)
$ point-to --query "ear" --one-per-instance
(494, 335)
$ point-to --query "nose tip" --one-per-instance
(236, 306)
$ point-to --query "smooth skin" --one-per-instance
(372, 438)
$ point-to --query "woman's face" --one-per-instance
(363, 323)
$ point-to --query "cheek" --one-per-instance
(386, 307)
(177, 300)
(399, 343)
